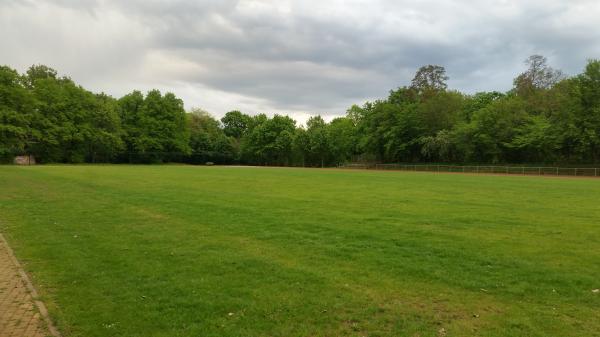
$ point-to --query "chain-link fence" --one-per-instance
(518, 170)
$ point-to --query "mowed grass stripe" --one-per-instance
(172, 250)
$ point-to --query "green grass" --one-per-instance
(224, 251)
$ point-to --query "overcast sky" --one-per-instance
(293, 57)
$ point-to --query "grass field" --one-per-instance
(225, 251)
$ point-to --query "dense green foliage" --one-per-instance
(229, 251)
(546, 118)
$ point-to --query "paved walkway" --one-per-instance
(21, 314)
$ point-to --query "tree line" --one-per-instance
(547, 117)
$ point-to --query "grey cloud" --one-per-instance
(312, 56)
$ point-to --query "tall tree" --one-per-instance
(105, 139)
(156, 126)
(269, 141)
(316, 129)
(341, 137)
(235, 124)
(430, 78)
(539, 75)
(300, 147)
(589, 121)
(208, 140)
(17, 107)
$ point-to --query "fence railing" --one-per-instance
(518, 170)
